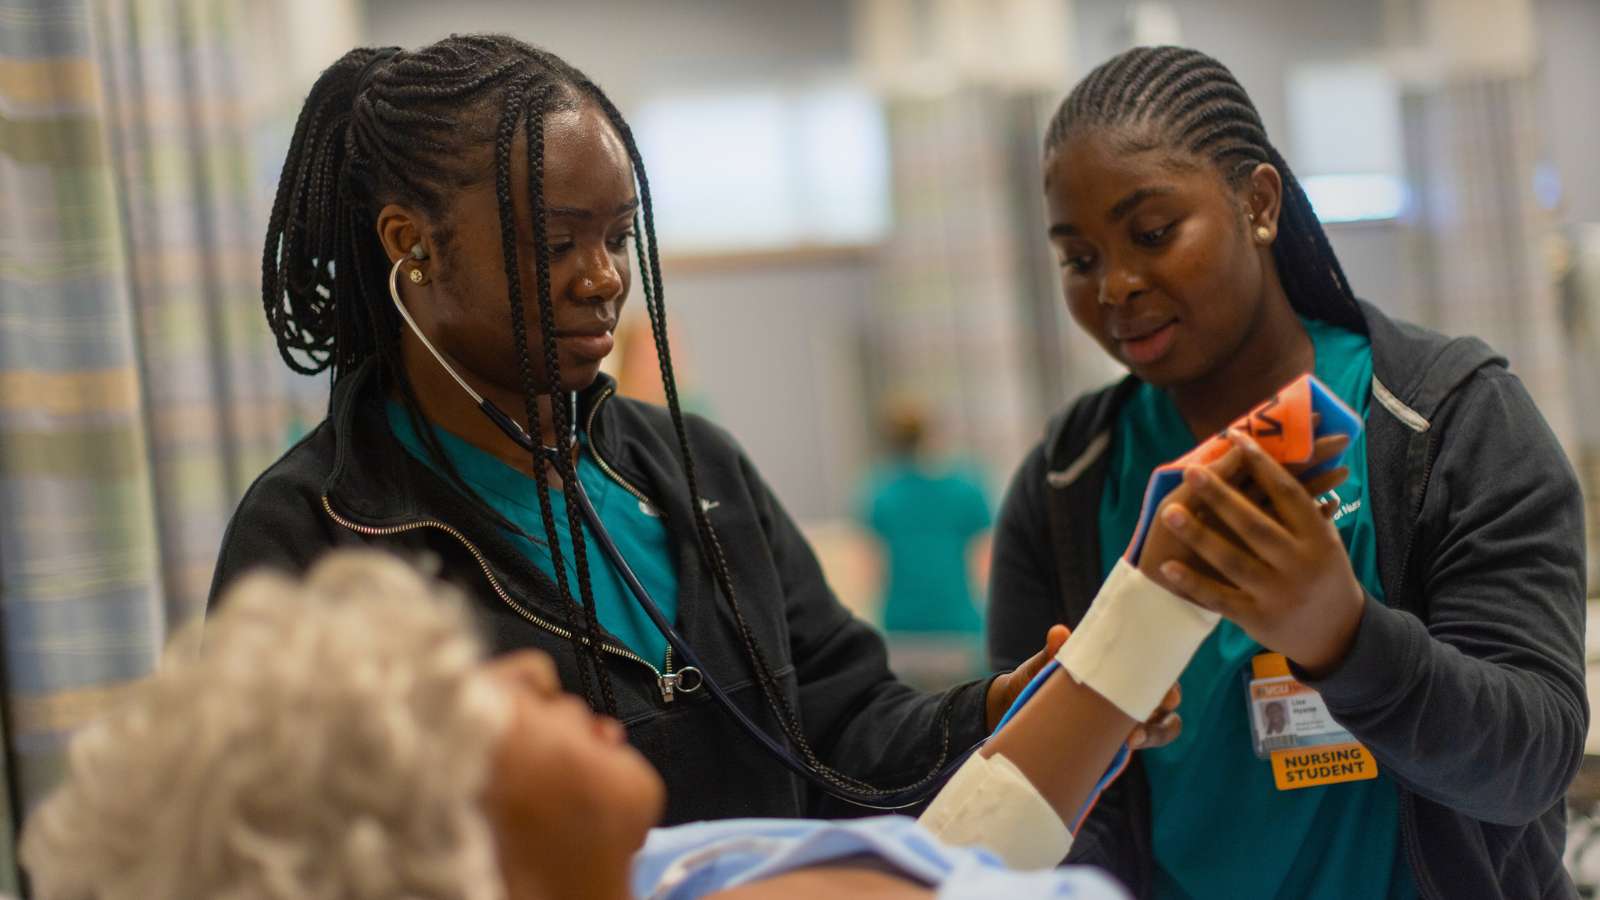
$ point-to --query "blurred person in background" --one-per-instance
(1439, 618)
(931, 518)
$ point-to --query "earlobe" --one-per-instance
(1265, 203)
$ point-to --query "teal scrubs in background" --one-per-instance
(639, 534)
(927, 521)
(1221, 828)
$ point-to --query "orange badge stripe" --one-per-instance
(1316, 766)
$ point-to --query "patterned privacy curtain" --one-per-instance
(1477, 229)
(1487, 250)
(964, 312)
(139, 389)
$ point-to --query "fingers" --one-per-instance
(1172, 699)
(1252, 526)
(1289, 499)
(1324, 449)
(1054, 638)
(1231, 561)
(1164, 728)
(1326, 482)
(1208, 593)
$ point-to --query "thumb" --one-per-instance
(1054, 638)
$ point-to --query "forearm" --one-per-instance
(1499, 738)
(1063, 740)
(1022, 793)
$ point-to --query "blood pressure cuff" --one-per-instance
(1286, 425)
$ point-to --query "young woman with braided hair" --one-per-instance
(430, 199)
(1439, 616)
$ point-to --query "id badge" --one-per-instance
(1291, 726)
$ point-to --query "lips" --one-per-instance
(588, 330)
(1137, 329)
(1144, 341)
(593, 342)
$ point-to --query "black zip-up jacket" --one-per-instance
(350, 482)
(1468, 686)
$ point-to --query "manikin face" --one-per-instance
(565, 788)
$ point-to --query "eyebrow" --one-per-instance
(1119, 210)
(573, 212)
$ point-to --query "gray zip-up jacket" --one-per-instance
(1468, 686)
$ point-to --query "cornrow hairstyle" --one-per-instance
(1185, 100)
(390, 126)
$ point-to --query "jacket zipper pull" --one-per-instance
(686, 681)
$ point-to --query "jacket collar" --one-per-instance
(376, 479)
(1414, 370)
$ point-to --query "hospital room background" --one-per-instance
(858, 282)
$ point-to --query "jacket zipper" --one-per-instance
(669, 682)
(1407, 827)
(605, 467)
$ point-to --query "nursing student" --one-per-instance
(451, 238)
(1436, 621)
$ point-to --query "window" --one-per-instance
(1344, 127)
(766, 168)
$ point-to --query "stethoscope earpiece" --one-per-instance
(417, 252)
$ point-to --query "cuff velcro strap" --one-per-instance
(1135, 641)
(989, 803)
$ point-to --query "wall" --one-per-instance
(634, 48)
(1569, 36)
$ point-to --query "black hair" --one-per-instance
(1183, 99)
(391, 126)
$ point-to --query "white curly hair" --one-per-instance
(329, 738)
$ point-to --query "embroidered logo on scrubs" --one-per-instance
(709, 505)
(1341, 508)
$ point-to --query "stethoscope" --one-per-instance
(892, 802)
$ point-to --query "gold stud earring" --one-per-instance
(417, 277)
(1263, 233)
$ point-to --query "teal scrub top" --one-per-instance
(1220, 826)
(636, 529)
(927, 521)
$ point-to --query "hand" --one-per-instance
(1285, 577)
(1005, 688)
(1163, 726)
(1161, 545)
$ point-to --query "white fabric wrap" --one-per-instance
(1135, 641)
(989, 803)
